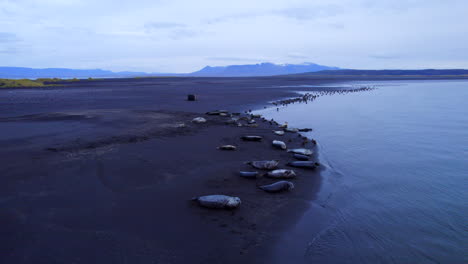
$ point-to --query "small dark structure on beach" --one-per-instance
(191, 97)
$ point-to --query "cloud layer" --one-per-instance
(185, 35)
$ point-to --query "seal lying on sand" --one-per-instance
(281, 174)
(264, 164)
(278, 186)
(231, 121)
(301, 151)
(218, 112)
(279, 132)
(227, 147)
(279, 144)
(303, 164)
(291, 129)
(218, 201)
(249, 174)
(252, 138)
(199, 120)
(301, 157)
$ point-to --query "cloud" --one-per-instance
(230, 17)
(184, 35)
(171, 30)
(297, 56)
(385, 57)
(233, 59)
(7, 37)
(297, 13)
(163, 25)
(308, 13)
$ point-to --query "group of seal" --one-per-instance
(302, 154)
(219, 201)
(309, 97)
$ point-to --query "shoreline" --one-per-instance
(143, 178)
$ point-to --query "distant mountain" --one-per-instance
(20, 72)
(262, 69)
(425, 72)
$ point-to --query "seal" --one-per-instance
(199, 120)
(218, 201)
(279, 132)
(249, 174)
(281, 174)
(278, 186)
(301, 151)
(303, 164)
(264, 164)
(227, 147)
(305, 129)
(291, 129)
(213, 113)
(301, 157)
(252, 138)
(231, 122)
(279, 144)
(218, 112)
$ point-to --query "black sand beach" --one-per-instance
(103, 172)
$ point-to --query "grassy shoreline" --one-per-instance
(28, 83)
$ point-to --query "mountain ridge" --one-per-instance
(388, 72)
(260, 69)
(247, 70)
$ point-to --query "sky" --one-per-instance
(186, 35)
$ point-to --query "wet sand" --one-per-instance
(106, 176)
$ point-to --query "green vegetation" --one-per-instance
(9, 83)
(49, 80)
(40, 82)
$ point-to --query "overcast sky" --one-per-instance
(185, 35)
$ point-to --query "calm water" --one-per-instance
(395, 188)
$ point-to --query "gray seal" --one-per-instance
(252, 138)
(264, 164)
(279, 144)
(199, 120)
(249, 174)
(301, 157)
(218, 201)
(227, 147)
(278, 132)
(301, 151)
(291, 129)
(304, 164)
(218, 112)
(281, 174)
(278, 186)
